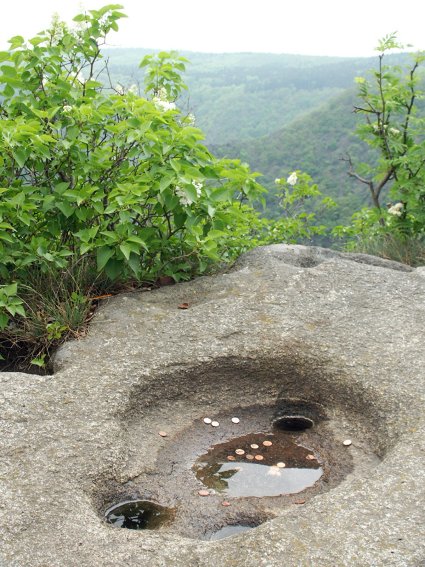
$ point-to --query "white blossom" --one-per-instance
(396, 209)
(183, 198)
(134, 89)
(292, 179)
(277, 180)
(67, 108)
(191, 119)
(163, 104)
(119, 89)
(198, 187)
(394, 131)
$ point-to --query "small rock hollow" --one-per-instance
(180, 434)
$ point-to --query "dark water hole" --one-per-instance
(138, 515)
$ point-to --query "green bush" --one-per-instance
(92, 171)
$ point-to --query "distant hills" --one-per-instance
(277, 112)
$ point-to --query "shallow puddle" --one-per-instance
(245, 466)
(138, 515)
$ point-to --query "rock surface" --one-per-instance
(344, 331)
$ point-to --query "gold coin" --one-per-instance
(310, 457)
(231, 458)
(259, 457)
(254, 446)
(240, 452)
(281, 465)
(267, 443)
(250, 457)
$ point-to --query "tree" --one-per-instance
(394, 126)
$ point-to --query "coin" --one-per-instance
(235, 420)
(250, 457)
(162, 433)
(254, 446)
(240, 452)
(267, 443)
(310, 458)
(207, 420)
(215, 423)
(347, 442)
(225, 503)
(231, 458)
(281, 465)
(259, 457)
(203, 492)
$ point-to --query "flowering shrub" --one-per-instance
(97, 173)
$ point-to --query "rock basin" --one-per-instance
(341, 334)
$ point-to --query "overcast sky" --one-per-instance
(315, 27)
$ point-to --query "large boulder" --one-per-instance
(341, 332)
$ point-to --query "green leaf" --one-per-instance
(66, 209)
(102, 256)
(4, 320)
(9, 290)
(126, 250)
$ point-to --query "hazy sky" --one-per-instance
(316, 27)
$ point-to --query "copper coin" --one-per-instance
(299, 501)
(254, 446)
(162, 433)
(240, 452)
(231, 458)
(267, 443)
(225, 503)
(281, 465)
(259, 457)
(183, 306)
(310, 457)
(203, 492)
(250, 457)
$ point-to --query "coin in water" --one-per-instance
(231, 458)
(240, 452)
(203, 492)
(267, 443)
(347, 442)
(254, 446)
(207, 420)
(225, 503)
(250, 457)
(235, 420)
(162, 433)
(281, 465)
(310, 458)
(259, 457)
(215, 423)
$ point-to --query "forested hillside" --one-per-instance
(245, 96)
(277, 112)
(318, 143)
